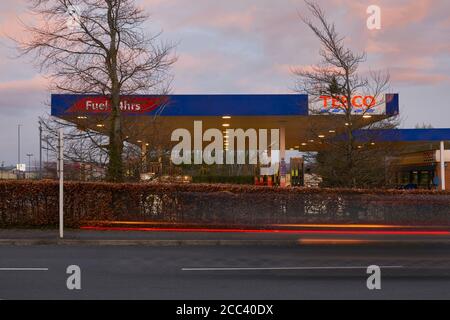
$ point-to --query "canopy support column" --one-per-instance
(282, 157)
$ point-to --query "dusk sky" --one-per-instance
(250, 46)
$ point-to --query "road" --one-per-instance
(225, 272)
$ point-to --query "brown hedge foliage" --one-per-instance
(35, 203)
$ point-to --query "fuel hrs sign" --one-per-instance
(358, 104)
(128, 104)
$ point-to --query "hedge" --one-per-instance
(224, 179)
(35, 203)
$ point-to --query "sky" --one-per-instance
(251, 46)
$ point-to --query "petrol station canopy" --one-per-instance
(146, 116)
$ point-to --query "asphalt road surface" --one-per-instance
(249, 272)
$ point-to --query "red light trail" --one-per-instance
(280, 231)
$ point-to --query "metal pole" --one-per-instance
(282, 170)
(48, 146)
(40, 150)
(442, 159)
(18, 143)
(61, 183)
(29, 155)
(18, 150)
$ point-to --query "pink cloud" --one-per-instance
(36, 84)
(248, 36)
(21, 96)
(417, 76)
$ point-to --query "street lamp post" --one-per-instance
(29, 155)
(18, 143)
(18, 151)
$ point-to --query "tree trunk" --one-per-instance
(115, 167)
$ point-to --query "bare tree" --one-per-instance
(82, 145)
(99, 47)
(343, 161)
(89, 147)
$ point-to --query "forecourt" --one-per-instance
(150, 120)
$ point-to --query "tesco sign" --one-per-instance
(358, 104)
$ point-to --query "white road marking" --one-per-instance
(23, 269)
(287, 268)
